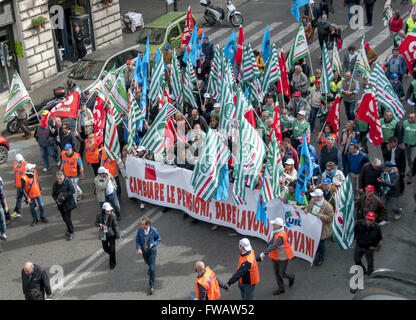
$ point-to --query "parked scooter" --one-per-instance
(213, 14)
(32, 119)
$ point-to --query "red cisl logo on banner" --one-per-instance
(149, 172)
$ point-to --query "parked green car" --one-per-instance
(166, 29)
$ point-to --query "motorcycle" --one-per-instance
(213, 14)
(32, 119)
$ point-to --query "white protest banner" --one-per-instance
(167, 186)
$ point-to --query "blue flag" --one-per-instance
(261, 213)
(305, 172)
(222, 191)
(158, 55)
(231, 46)
(137, 75)
(295, 8)
(145, 63)
(265, 45)
(192, 48)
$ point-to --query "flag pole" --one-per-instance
(280, 80)
(34, 109)
(260, 122)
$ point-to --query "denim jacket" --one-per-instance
(153, 237)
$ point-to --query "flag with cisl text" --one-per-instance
(69, 107)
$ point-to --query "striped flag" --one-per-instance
(361, 64)
(111, 142)
(343, 223)
(271, 72)
(239, 189)
(18, 96)
(336, 61)
(241, 106)
(135, 115)
(387, 13)
(327, 72)
(273, 171)
(249, 68)
(99, 118)
(227, 111)
(118, 95)
(213, 158)
(299, 48)
(176, 80)
(156, 81)
(108, 81)
(154, 139)
(215, 74)
(188, 85)
(384, 93)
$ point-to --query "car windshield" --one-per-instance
(156, 35)
(87, 70)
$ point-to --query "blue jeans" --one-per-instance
(247, 291)
(113, 200)
(320, 254)
(33, 208)
(118, 186)
(149, 257)
(19, 196)
(2, 221)
(312, 117)
(45, 153)
(349, 109)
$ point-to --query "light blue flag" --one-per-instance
(158, 55)
(261, 213)
(295, 8)
(200, 45)
(231, 46)
(191, 49)
(224, 182)
(305, 172)
(265, 45)
(137, 75)
(145, 63)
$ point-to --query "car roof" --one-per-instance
(107, 53)
(166, 19)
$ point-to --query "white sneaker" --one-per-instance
(3, 236)
(383, 223)
(397, 216)
(141, 205)
(45, 169)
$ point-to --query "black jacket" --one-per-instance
(64, 194)
(324, 31)
(369, 176)
(39, 280)
(367, 237)
(112, 226)
(394, 184)
(243, 272)
(68, 138)
(399, 158)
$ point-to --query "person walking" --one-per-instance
(349, 90)
(369, 7)
(396, 155)
(105, 187)
(22, 121)
(309, 30)
(35, 278)
(324, 29)
(73, 169)
(33, 193)
(108, 232)
(45, 141)
(280, 252)
(147, 239)
(325, 212)
(207, 286)
(370, 202)
(368, 237)
(348, 65)
(92, 153)
(247, 273)
(128, 74)
(390, 189)
(85, 125)
(3, 209)
(113, 167)
(19, 168)
(79, 37)
(408, 137)
(63, 194)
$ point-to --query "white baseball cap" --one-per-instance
(19, 157)
(107, 206)
(140, 148)
(30, 166)
(207, 95)
(278, 221)
(290, 161)
(245, 243)
(102, 170)
(217, 105)
(317, 193)
(302, 113)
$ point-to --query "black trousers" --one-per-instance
(95, 167)
(66, 216)
(369, 255)
(369, 12)
(109, 246)
(279, 268)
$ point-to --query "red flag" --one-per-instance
(276, 127)
(250, 116)
(189, 26)
(99, 118)
(238, 57)
(367, 112)
(407, 49)
(67, 108)
(283, 83)
(333, 116)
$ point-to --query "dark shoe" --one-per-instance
(319, 262)
(278, 291)
(292, 281)
(165, 209)
(118, 218)
(70, 236)
(151, 290)
(34, 222)
(194, 221)
(112, 266)
(44, 220)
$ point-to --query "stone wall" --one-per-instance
(39, 53)
(106, 23)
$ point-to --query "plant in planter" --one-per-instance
(78, 10)
(39, 22)
(107, 2)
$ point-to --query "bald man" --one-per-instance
(34, 277)
(207, 284)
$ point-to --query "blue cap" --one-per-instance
(387, 164)
(394, 76)
(202, 54)
(166, 47)
(68, 146)
(327, 181)
(205, 37)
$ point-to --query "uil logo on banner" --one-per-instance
(292, 220)
(149, 172)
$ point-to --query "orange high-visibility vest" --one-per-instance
(210, 283)
(32, 186)
(254, 269)
(19, 172)
(324, 141)
(110, 165)
(92, 153)
(70, 164)
(286, 244)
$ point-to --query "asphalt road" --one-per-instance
(86, 268)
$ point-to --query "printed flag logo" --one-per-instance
(149, 172)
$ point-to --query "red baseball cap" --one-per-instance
(317, 81)
(128, 62)
(370, 215)
(370, 187)
(297, 94)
